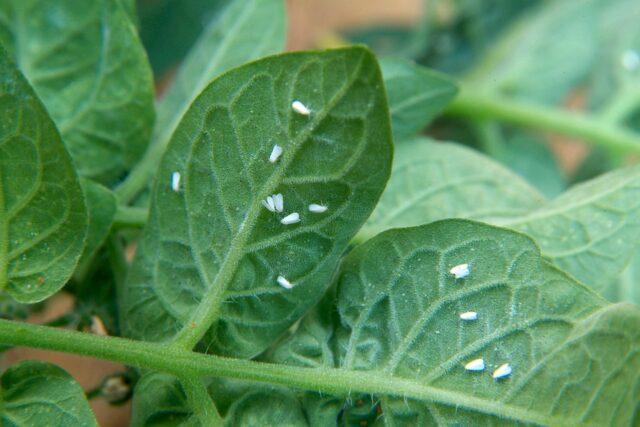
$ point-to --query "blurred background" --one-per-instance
(574, 55)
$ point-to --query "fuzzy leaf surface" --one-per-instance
(43, 219)
(212, 251)
(86, 63)
(41, 394)
(574, 356)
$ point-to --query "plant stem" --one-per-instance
(184, 363)
(478, 106)
(130, 217)
(200, 401)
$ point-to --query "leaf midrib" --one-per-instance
(207, 311)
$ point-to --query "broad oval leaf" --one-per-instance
(86, 63)
(574, 357)
(433, 180)
(592, 230)
(42, 213)
(244, 31)
(416, 95)
(212, 252)
(40, 394)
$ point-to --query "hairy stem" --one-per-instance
(478, 106)
(184, 363)
(200, 401)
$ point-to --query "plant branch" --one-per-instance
(200, 401)
(478, 106)
(130, 217)
(181, 363)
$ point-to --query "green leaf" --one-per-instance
(40, 394)
(416, 95)
(87, 65)
(160, 400)
(42, 214)
(574, 356)
(628, 284)
(432, 180)
(169, 28)
(246, 30)
(101, 208)
(211, 252)
(525, 153)
(592, 230)
(529, 63)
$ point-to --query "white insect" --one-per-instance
(175, 181)
(315, 208)
(278, 201)
(275, 153)
(475, 365)
(460, 271)
(269, 203)
(502, 371)
(469, 315)
(630, 60)
(291, 219)
(282, 281)
(300, 108)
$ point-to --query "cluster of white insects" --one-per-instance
(275, 202)
(461, 271)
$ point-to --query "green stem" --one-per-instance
(181, 363)
(200, 401)
(142, 173)
(130, 217)
(478, 106)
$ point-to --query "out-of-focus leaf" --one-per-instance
(41, 394)
(416, 95)
(169, 28)
(101, 208)
(432, 181)
(526, 154)
(86, 63)
(244, 31)
(592, 230)
(528, 62)
(43, 221)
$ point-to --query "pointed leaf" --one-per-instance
(86, 63)
(432, 180)
(244, 31)
(40, 394)
(212, 252)
(42, 214)
(416, 95)
(574, 357)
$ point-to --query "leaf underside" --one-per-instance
(591, 231)
(40, 394)
(395, 316)
(86, 63)
(416, 95)
(212, 246)
(42, 213)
